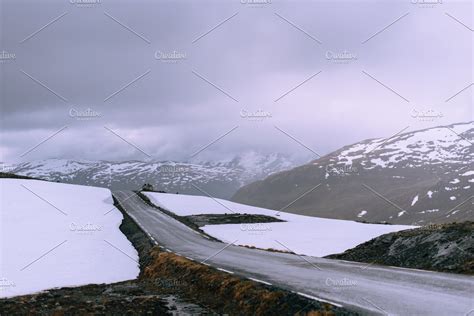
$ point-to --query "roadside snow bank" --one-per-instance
(56, 235)
(307, 235)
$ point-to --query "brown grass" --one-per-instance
(228, 293)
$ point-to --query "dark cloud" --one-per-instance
(255, 57)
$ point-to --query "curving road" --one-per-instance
(365, 288)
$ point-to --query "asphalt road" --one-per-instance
(366, 288)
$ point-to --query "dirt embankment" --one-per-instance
(436, 247)
(137, 237)
(229, 294)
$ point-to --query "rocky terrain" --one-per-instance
(437, 247)
(216, 219)
(219, 178)
(411, 178)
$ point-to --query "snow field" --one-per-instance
(56, 235)
(306, 235)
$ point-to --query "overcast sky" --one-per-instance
(233, 59)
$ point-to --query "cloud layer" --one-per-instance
(172, 77)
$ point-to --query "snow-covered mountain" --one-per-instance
(220, 179)
(416, 177)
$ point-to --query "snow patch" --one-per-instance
(430, 211)
(450, 189)
(47, 248)
(436, 145)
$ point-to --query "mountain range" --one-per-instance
(418, 177)
(217, 178)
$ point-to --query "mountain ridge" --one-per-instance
(410, 178)
(219, 178)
